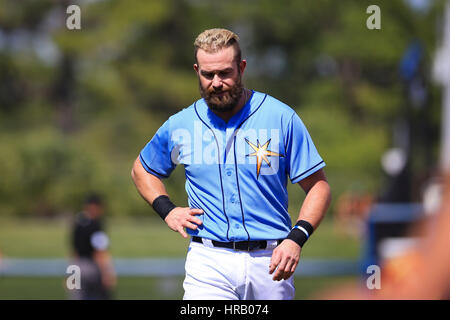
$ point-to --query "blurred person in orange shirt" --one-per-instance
(420, 273)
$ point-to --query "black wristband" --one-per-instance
(163, 206)
(301, 232)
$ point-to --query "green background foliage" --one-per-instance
(77, 106)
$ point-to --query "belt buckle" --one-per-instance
(239, 249)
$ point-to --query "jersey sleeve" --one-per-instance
(303, 157)
(99, 240)
(156, 155)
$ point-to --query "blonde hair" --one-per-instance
(213, 40)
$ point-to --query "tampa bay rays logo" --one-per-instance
(261, 153)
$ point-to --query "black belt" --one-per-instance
(238, 245)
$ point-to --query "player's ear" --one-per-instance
(242, 66)
(196, 67)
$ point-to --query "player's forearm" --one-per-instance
(149, 186)
(286, 256)
(103, 259)
(316, 203)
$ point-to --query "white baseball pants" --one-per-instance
(214, 273)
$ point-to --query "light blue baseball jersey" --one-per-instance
(236, 171)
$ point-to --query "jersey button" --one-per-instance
(229, 173)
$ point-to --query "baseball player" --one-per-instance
(238, 148)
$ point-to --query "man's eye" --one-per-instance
(224, 74)
(208, 75)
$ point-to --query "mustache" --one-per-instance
(214, 90)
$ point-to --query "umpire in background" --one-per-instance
(90, 250)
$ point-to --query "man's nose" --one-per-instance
(217, 82)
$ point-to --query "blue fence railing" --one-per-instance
(158, 267)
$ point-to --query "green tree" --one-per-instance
(77, 106)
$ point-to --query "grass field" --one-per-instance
(139, 288)
(131, 238)
(136, 239)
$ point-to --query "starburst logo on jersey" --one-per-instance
(261, 153)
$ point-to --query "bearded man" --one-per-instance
(238, 148)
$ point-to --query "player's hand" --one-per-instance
(284, 260)
(180, 218)
(109, 280)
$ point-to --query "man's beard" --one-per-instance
(227, 101)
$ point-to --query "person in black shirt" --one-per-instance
(90, 250)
